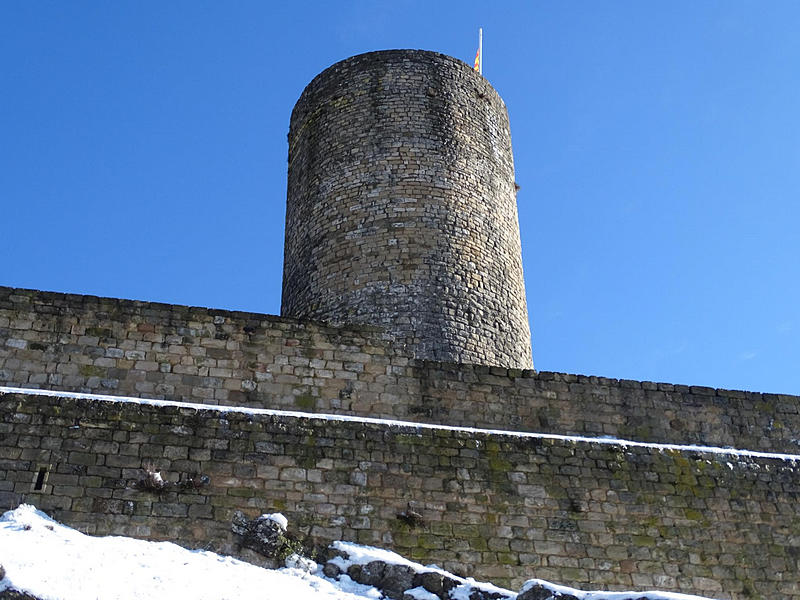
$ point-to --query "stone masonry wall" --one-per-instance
(401, 208)
(500, 507)
(151, 350)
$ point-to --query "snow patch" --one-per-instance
(362, 555)
(301, 563)
(420, 593)
(278, 519)
(599, 595)
(53, 562)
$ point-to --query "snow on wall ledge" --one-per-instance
(498, 506)
(146, 349)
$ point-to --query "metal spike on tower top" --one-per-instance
(479, 54)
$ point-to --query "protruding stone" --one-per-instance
(331, 570)
(436, 583)
(538, 591)
(263, 535)
(396, 580)
(368, 574)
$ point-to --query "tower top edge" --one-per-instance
(395, 56)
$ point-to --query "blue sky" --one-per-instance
(143, 156)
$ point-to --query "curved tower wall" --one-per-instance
(401, 208)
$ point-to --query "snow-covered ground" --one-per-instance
(53, 562)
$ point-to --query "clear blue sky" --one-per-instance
(143, 155)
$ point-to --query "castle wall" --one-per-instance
(500, 507)
(151, 350)
(402, 240)
(401, 208)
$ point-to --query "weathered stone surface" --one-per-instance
(496, 507)
(541, 592)
(300, 365)
(435, 583)
(331, 570)
(401, 208)
(263, 535)
(478, 594)
(396, 580)
(371, 573)
(12, 594)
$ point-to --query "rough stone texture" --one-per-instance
(263, 536)
(151, 350)
(539, 591)
(12, 594)
(401, 208)
(499, 507)
(401, 215)
(400, 581)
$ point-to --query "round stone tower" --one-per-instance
(401, 208)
